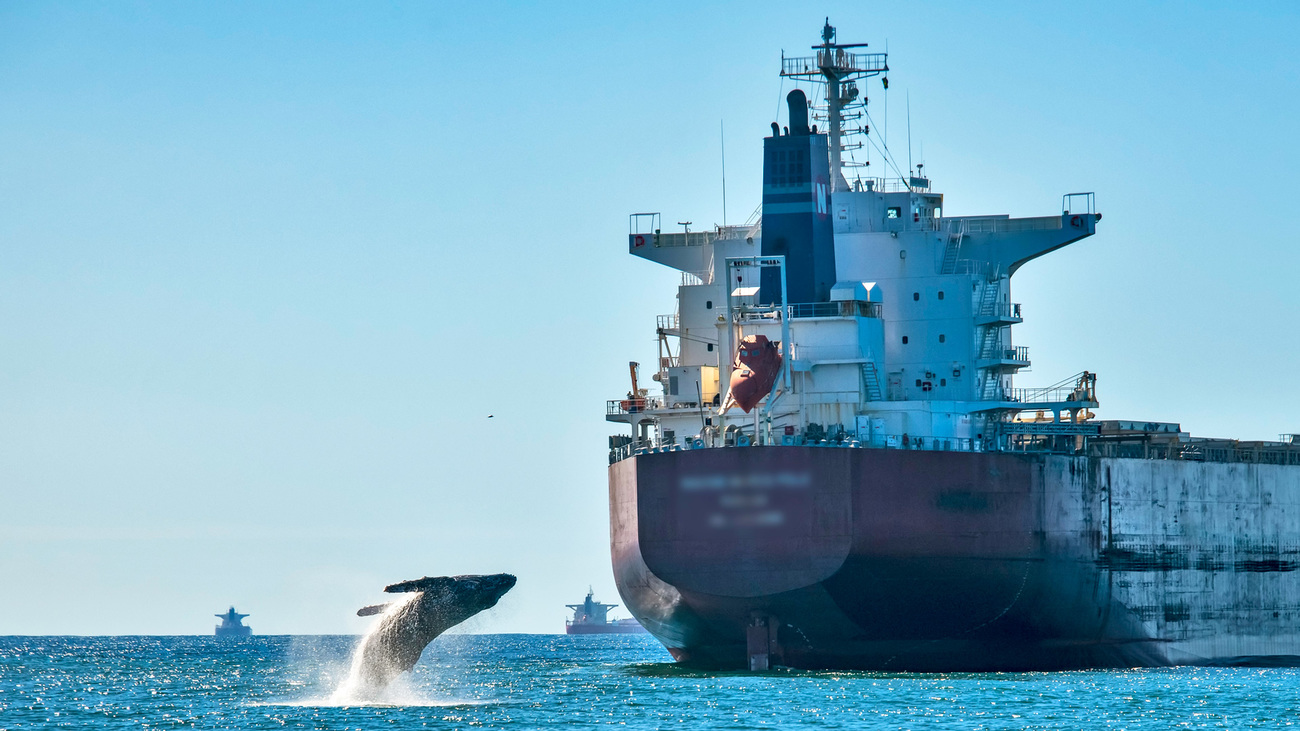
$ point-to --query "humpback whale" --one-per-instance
(437, 604)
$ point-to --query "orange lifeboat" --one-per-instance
(757, 364)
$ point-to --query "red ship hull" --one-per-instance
(905, 560)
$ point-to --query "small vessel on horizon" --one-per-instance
(590, 618)
(232, 625)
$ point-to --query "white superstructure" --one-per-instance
(913, 347)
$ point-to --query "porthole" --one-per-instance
(916, 296)
(708, 304)
(904, 340)
(941, 337)
(918, 383)
(710, 347)
(941, 294)
(943, 381)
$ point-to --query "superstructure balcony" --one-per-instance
(1000, 313)
(668, 325)
(623, 410)
(1074, 394)
(1011, 358)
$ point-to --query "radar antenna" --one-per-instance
(840, 69)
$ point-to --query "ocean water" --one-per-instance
(547, 681)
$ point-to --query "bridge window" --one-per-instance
(894, 212)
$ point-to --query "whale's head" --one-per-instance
(458, 595)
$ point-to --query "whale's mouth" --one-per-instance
(499, 584)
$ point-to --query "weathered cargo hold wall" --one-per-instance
(1204, 555)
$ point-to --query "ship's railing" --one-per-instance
(698, 238)
(882, 185)
(693, 238)
(834, 309)
(1011, 225)
(1079, 388)
(624, 407)
(975, 268)
(1002, 309)
(1269, 453)
(1073, 440)
(842, 61)
(840, 441)
(1048, 396)
(1015, 354)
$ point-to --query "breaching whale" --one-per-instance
(441, 602)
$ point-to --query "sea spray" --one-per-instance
(354, 689)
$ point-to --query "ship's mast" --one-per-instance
(839, 69)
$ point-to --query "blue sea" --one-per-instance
(548, 681)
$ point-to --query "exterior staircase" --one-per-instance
(871, 382)
(953, 249)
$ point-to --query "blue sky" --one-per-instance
(265, 269)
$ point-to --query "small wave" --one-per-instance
(409, 702)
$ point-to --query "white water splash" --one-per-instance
(353, 691)
(410, 689)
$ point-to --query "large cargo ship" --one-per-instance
(592, 618)
(840, 473)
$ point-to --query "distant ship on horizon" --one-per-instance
(590, 618)
(232, 625)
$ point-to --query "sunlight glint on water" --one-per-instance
(556, 681)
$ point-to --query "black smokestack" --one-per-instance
(798, 104)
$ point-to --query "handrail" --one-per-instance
(621, 407)
(693, 238)
(1012, 225)
(834, 309)
(1002, 309)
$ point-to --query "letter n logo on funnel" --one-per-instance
(821, 197)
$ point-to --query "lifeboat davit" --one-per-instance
(757, 364)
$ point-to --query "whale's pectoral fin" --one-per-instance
(372, 609)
